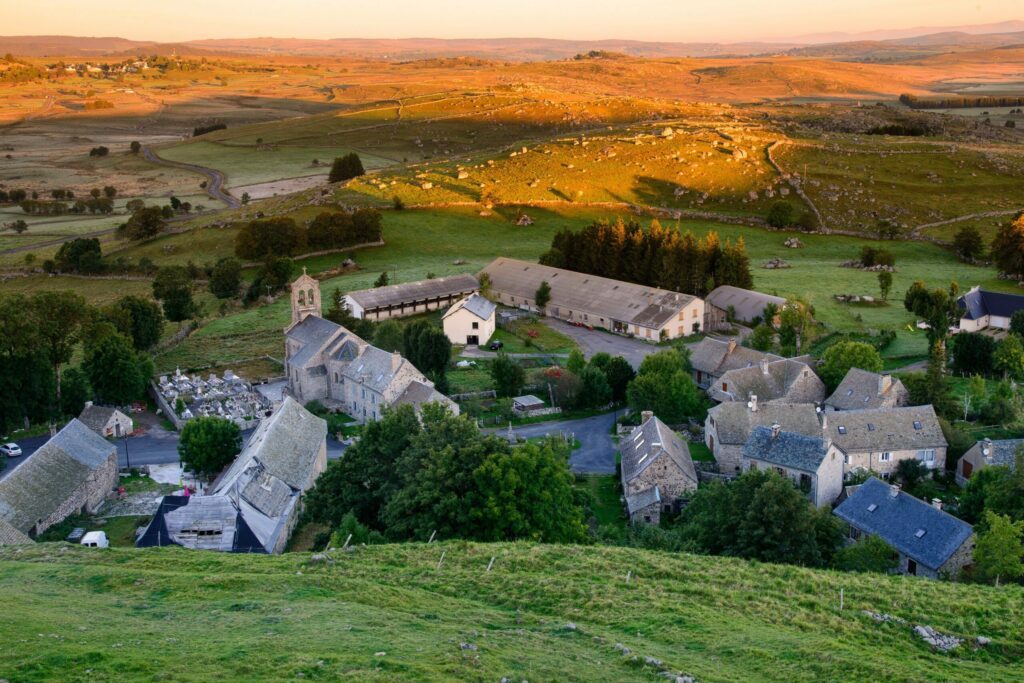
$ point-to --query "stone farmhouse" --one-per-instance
(728, 303)
(106, 421)
(788, 379)
(712, 358)
(470, 322)
(657, 471)
(326, 362)
(254, 505)
(928, 541)
(410, 298)
(813, 463)
(643, 312)
(70, 474)
(861, 389)
(988, 453)
(729, 425)
(878, 439)
(981, 309)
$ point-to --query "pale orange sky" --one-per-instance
(669, 20)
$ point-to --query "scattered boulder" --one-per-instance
(939, 641)
(570, 626)
(463, 175)
(468, 646)
(884, 618)
(983, 641)
(524, 220)
(459, 262)
(775, 264)
(793, 243)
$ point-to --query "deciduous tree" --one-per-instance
(209, 444)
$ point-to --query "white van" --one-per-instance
(96, 539)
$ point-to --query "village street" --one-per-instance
(596, 454)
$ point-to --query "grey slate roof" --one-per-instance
(624, 302)
(716, 357)
(409, 292)
(647, 443)
(899, 520)
(475, 304)
(886, 429)
(978, 303)
(734, 421)
(313, 333)
(1002, 452)
(786, 379)
(286, 444)
(96, 417)
(11, 536)
(786, 449)
(418, 393)
(645, 498)
(47, 477)
(861, 389)
(746, 303)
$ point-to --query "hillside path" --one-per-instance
(215, 179)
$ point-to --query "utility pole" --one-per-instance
(128, 460)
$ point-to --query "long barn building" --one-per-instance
(410, 298)
(623, 307)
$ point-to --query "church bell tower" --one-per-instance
(305, 298)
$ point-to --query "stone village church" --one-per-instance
(326, 362)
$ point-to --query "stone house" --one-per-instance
(745, 305)
(812, 463)
(656, 465)
(729, 425)
(410, 298)
(470, 321)
(647, 313)
(878, 439)
(928, 541)
(861, 389)
(106, 421)
(326, 362)
(712, 358)
(981, 309)
(644, 507)
(70, 474)
(985, 453)
(254, 505)
(789, 380)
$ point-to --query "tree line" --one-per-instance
(329, 230)
(656, 257)
(959, 101)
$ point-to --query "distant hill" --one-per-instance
(419, 612)
(909, 48)
(900, 33)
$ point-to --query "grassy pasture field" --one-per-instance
(390, 612)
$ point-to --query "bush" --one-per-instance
(203, 130)
(345, 168)
(780, 215)
(872, 256)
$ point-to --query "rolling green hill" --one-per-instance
(542, 613)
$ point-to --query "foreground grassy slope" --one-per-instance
(389, 613)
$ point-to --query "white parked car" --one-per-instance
(11, 450)
(96, 539)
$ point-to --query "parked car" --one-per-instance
(11, 450)
(96, 539)
(496, 345)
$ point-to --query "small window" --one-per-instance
(842, 429)
(886, 457)
(917, 425)
(872, 507)
(725, 386)
(871, 427)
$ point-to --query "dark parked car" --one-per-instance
(496, 345)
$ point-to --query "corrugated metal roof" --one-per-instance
(408, 292)
(615, 300)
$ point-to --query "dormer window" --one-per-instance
(871, 427)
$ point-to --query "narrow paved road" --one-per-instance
(214, 179)
(596, 454)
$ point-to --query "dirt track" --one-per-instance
(215, 179)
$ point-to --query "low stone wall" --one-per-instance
(165, 407)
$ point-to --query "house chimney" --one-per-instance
(731, 346)
(764, 366)
(88, 404)
(936, 503)
(776, 428)
(986, 450)
(884, 383)
(646, 415)
(396, 360)
(894, 490)
(753, 403)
